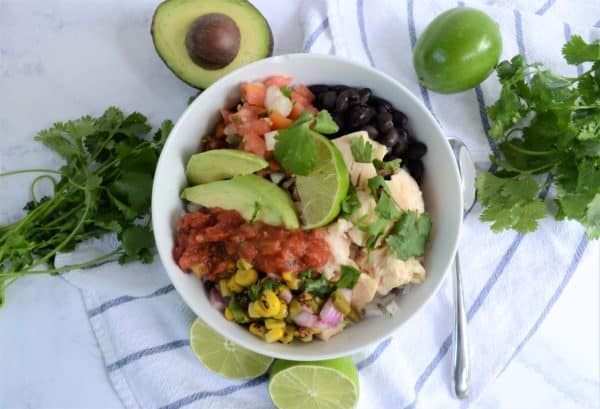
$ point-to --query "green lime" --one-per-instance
(323, 190)
(223, 357)
(329, 384)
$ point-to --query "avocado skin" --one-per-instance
(153, 33)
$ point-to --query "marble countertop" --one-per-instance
(65, 58)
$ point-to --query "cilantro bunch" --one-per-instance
(545, 123)
(104, 187)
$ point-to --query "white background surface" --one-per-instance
(48, 355)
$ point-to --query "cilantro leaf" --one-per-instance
(350, 204)
(303, 275)
(386, 207)
(389, 165)
(376, 184)
(236, 309)
(319, 287)
(593, 217)
(296, 150)
(324, 123)
(348, 277)
(577, 51)
(137, 240)
(375, 230)
(286, 91)
(409, 235)
(362, 150)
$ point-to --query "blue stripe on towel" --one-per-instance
(519, 32)
(371, 359)
(127, 298)
(557, 293)
(360, 12)
(545, 7)
(145, 352)
(412, 32)
(314, 36)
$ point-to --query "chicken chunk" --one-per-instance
(360, 173)
(389, 271)
(364, 291)
(406, 192)
(339, 244)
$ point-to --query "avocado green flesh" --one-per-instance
(457, 51)
(173, 18)
(242, 193)
(218, 164)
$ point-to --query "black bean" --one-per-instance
(400, 118)
(359, 116)
(318, 88)
(327, 100)
(416, 169)
(390, 138)
(339, 88)
(372, 131)
(365, 95)
(384, 121)
(416, 150)
(353, 97)
(388, 157)
(342, 103)
(381, 104)
(400, 147)
(339, 119)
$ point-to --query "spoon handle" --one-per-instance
(460, 347)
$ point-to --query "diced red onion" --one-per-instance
(286, 296)
(306, 319)
(274, 276)
(329, 315)
(216, 299)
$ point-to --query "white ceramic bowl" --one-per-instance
(443, 197)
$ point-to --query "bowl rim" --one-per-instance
(294, 354)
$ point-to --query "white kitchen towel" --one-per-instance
(511, 280)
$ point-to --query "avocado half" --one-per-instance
(202, 40)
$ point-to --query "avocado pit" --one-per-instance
(213, 41)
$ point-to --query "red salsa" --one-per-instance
(210, 241)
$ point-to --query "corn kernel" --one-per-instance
(288, 334)
(243, 264)
(233, 285)
(271, 323)
(291, 280)
(294, 309)
(246, 278)
(257, 329)
(270, 303)
(223, 289)
(228, 314)
(283, 312)
(307, 338)
(274, 335)
(255, 310)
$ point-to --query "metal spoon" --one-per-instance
(460, 341)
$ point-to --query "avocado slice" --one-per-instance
(245, 194)
(202, 40)
(218, 164)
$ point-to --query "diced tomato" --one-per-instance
(274, 165)
(301, 99)
(278, 81)
(226, 115)
(312, 109)
(305, 92)
(220, 129)
(254, 93)
(258, 110)
(278, 121)
(297, 109)
(243, 115)
(254, 144)
(255, 126)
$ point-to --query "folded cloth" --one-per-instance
(511, 280)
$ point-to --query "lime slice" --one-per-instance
(323, 190)
(330, 384)
(223, 357)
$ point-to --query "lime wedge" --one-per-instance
(330, 384)
(223, 357)
(323, 190)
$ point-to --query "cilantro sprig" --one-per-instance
(104, 187)
(295, 148)
(545, 123)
